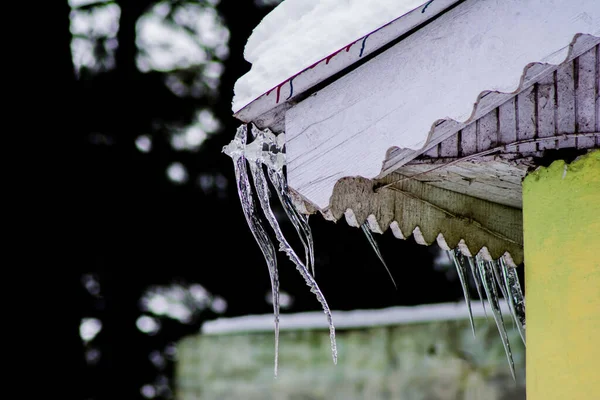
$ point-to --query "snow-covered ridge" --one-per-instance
(298, 33)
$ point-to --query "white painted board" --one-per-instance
(436, 73)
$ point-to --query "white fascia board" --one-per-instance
(436, 73)
(325, 68)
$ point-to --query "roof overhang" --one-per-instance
(471, 59)
(389, 96)
(358, 117)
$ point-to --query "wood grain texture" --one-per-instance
(449, 147)
(507, 119)
(526, 118)
(492, 178)
(432, 152)
(550, 108)
(585, 97)
(487, 131)
(397, 157)
(565, 98)
(598, 94)
(546, 110)
(412, 207)
(469, 139)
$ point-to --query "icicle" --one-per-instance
(263, 195)
(456, 256)
(271, 153)
(299, 220)
(498, 276)
(494, 264)
(235, 150)
(371, 239)
(515, 299)
(487, 278)
(477, 280)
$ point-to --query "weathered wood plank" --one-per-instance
(433, 211)
(526, 116)
(487, 131)
(491, 178)
(507, 117)
(585, 96)
(598, 94)
(554, 114)
(565, 97)
(468, 140)
(398, 157)
(432, 152)
(449, 147)
(546, 110)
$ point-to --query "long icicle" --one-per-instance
(498, 276)
(275, 160)
(516, 300)
(375, 247)
(262, 189)
(299, 220)
(461, 269)
(503, 284)
(495, 265)
(236, 151)
(477, 280)
(487, 278)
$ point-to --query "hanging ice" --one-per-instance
(477, 279)
(487, 278)
(461, 268)
(267, 150)
(489, 274)
(371, 239)
(494, 264)
(299, 220)
(516, 301)
(235, 150)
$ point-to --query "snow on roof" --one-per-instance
(298, 33)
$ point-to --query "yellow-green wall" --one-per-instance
(561, 223)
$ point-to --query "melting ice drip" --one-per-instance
(488, 275)
(267, 151)
(371, 239)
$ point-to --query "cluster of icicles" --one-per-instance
(267, 153)
(488, 275)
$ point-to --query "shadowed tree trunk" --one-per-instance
(58, 349)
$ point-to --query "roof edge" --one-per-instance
(349, 56)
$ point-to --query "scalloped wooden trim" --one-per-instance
(431, 214)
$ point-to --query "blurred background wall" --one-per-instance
(410, 353)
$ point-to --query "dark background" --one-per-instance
(118, 228)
